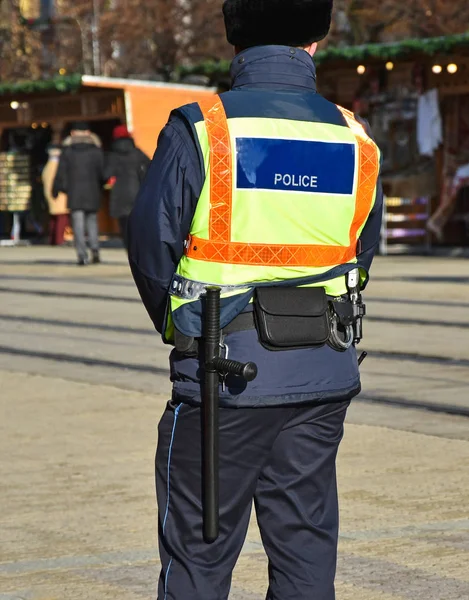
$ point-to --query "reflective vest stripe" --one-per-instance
(368, 172)
(240, 253)
(221, 172)
(220, 248)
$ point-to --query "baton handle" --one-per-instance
(247, 371)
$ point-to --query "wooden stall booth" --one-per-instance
(34, 114)
(415, 95)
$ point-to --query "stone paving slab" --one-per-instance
(78, 517)
(93, 315)
(80, 374)
(430, 382)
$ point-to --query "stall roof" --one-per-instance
(116, 83)
(73, 83)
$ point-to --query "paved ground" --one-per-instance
(83, 380)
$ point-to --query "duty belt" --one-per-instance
(346, 313)
(188, 289)
(189, 345)
(342, 314)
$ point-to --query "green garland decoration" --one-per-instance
(393, 50)
(214, 70)
(62, 83)
(217, 71)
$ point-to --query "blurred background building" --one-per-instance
(402, 64)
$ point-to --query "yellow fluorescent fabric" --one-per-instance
(271, 216)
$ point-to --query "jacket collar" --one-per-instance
(82, 139)
(78, 140)
(274, 68)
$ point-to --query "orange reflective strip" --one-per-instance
(240, 253)
(219, 248)
(221, 188)
(368, 172)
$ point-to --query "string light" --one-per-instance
(44, 125)
(14, 105)
(389, 66)
(62, 71)
(437, 69)
(361, 69)
(452, 68)
(34, 125)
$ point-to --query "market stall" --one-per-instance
(44, 110)
(415, 95)
(15, 188)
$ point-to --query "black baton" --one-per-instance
(211, 434)
(215, 366)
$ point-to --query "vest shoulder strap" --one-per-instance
(221, 176)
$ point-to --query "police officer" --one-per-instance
(270, 192)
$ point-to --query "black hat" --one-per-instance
(283, 22)
(80, 126)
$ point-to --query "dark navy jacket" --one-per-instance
(162, 216)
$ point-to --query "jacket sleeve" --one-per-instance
(371, 234)
(161, 218)
(60, 182)
(144, 160)
(143, 165)
(109, 166)
(100, 165)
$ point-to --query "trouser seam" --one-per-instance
(168, 493)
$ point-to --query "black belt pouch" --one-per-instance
(289, 318)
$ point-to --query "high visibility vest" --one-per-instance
(284, 202)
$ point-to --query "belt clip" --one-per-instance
(226, 351)
(187, 244)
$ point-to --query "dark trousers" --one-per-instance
(85, 223)
(282, 458)
(123, 223)
(57, 226)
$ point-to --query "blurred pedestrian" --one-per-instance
(126, 167)
(80, 175)
(451, 190)
(58, 211)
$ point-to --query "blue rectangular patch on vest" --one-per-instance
(295, 165)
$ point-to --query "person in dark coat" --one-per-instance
(81, 175)
(126, 167)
